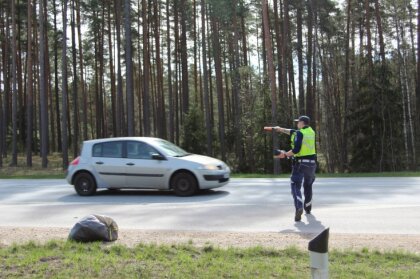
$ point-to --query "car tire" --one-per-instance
(84, 184)
(184, 184)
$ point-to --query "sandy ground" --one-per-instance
(129, 237)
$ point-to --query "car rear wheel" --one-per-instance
(84, 184)
(184, 184)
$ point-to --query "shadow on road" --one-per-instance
(143, 196)
(312, 226)
(307, 228)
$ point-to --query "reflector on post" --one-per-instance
(318, 254)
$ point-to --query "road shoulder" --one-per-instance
(277, 240)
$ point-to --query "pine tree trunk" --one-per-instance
(160, 116)
(244, 41)
(205, 80)
(129, 70)
(139, 74)
(112, 74)
(51, 140)
(177, 71)
(43, 87)
(56, 91)
(368, 35)
(119, 102)
(382, 56)
(14, 87)
(6, 78)
(184, 58)
(219, 85)
(380, 32)
(418, 77)
(271, 77)
(236, 90)
(292, 108)
(64, 110)
(408, 91)
(300, 58)
(1, 124)
(278, 27)
(170, 91)
(82, 79)
(146, 71)
(344, 160)
(403, 91)
(287, 101)
(75, 135)
(2, 81)
(21, 103)
(103, 116)
(309, 55)
(29, 101)
(196, 93)
(314, 99)
(98, 108)
(210, 73)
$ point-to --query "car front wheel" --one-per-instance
(184, 184)
(84, 184)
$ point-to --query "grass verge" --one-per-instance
(359, 174)
(30, 173)
(60, 259)
(55, 170)
(58, 173)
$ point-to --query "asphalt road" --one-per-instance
(346, 205)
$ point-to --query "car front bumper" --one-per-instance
(214, 179)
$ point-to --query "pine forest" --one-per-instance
(208, 75)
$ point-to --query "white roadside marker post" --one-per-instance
(318, 254)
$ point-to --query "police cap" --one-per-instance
(305, 119)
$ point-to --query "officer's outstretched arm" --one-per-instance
(283, 130)
(277, 129)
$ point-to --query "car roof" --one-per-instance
(144, 139)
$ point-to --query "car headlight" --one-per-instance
(209, 167)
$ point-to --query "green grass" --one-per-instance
(55, 170)
(60, 259)
(31, 173)
(39, 173)
(359, 174)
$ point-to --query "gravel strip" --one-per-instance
(130, 238)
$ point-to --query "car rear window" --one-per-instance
(112, 149)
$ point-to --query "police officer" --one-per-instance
(304, 163)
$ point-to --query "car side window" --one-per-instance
(140, 150)
(112, 149)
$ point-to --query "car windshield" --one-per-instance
(171, 149)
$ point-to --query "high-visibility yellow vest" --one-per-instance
(292, 140)
(308, 142)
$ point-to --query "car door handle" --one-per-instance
(130, 164)
(99, 163)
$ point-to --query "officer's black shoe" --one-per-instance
(308, 209)
(298, 214)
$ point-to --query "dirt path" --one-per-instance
(381, 242)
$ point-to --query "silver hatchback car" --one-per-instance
(143, 163)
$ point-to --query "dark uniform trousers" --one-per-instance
(303, 172)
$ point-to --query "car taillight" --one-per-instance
(75, 162)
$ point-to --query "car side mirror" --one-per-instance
(156, 156)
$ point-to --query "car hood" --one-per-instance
(201, 159)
